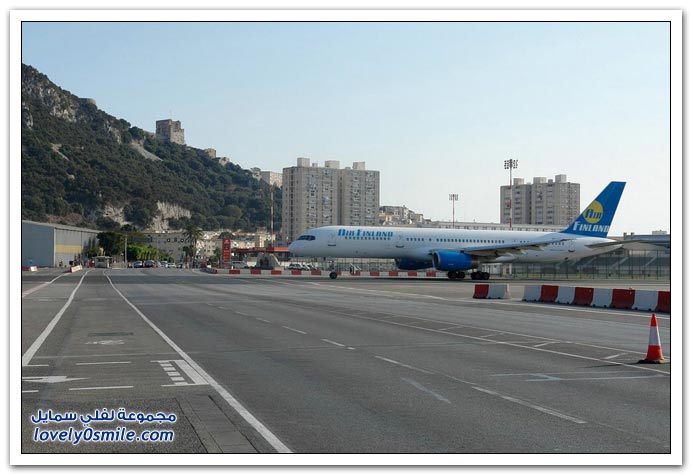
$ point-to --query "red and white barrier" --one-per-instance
(30, 268)
(491, 291)
(75, 268)
(651, 300)
(324, 273)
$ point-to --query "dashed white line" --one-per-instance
(262, 320)
(532, 406)
(102, 387)
(35, 365)
(30, 391)
(417, 385)
(403, 365)
(294, 330)
(332, 342)
(102, 362)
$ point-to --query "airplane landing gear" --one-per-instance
(454, 275)
(477, 275)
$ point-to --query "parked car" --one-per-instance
(298, 266)
(171, 265)
(149, 264)
(138, 264)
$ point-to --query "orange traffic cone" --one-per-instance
(655, 353)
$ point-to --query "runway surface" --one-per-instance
(345, 366)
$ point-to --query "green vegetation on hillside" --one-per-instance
(78, 164)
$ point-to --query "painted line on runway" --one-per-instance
(272, 439)
(100, 388)
(398, 363)
(103, 362)
(262, 320)
(419, 386)
(34, 289)
(35, 365)
(530, 405)
(294, 330)
(30, 391)
(26, 358)
(333, 342)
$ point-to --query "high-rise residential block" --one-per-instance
(544, 201)
(315, 196)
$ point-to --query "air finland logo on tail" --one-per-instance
(592, 215)
(596, 218)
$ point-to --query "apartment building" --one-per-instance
(315, 196)
(543, 201)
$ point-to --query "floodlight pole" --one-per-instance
(453, 197)
(510, 165)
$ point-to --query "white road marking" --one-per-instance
(26, 358)
(99, 388)
(294, 330)
(403, 365)
(262, 320)
(613, 356)
(544, 344)
(350, 348)
(172, 373)
(332, 342)
(30, 391)
(35, 365)
(49, 379)
(103, 362)
(233, 402)
(532, 406)
(34, 289)
(241, 313)
(417, 385)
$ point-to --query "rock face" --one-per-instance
(167, 211)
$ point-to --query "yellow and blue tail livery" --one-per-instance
(596, 218)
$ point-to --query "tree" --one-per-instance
(192, 235)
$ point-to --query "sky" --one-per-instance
(435, 107)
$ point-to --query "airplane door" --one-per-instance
(400, 241)
(332, 240)
(571, 247)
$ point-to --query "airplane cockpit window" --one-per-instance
(306, 237)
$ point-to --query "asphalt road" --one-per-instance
(347, 366)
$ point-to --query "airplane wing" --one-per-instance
(497, 250)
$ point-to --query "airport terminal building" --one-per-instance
(47, 245)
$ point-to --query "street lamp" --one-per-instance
(510, 165)
(453, 197)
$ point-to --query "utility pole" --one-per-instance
(453, 197)
(271, 214)
(510, 165)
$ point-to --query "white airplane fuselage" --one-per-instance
(420, 243)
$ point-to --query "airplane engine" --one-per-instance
(412, 264)
(453, 261)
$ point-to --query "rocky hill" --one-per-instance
(83, 166)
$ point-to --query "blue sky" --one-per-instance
(436, 107)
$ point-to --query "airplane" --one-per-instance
(457, 251)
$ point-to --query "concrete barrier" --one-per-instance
(663, 301)
(583, 296)
(499, 291)
(532, 293)
(602, 297)
(74, 269)
(565, 294)
(325, 274)
(622, 298)
(645, 300)
(549, 293)
(480, 291)
(30, 268)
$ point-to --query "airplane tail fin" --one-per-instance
(596, 218)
